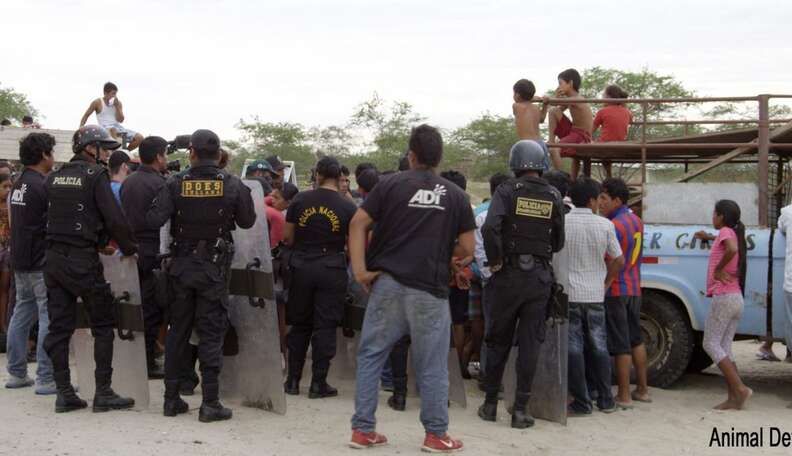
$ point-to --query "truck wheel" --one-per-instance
(699, 359)
(668, 337)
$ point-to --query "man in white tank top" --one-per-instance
(110, 114)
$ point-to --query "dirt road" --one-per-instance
(679, 422)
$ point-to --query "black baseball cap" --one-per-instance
(205, 140)
(275, 162)
(118, 158)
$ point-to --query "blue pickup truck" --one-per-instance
(675, 306)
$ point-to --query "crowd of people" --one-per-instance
(436, 270)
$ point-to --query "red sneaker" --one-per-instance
(444, 444)
(361, 440)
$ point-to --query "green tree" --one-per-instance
(748, 110)
(289, 141)
(333, 140)
(237, 154)
(390, 127)
(14, 105)
(485, 142)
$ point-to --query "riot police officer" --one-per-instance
(83, 214)
(204, 204)
(317, 224)
(524, 227)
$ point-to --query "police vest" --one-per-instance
(71, 208)
(528, 226)
(204, 201)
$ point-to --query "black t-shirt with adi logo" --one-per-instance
(418, 216)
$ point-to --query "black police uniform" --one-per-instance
(204, 203)
(318, 286)
(524, 227)
(82, 215)
(137, 194)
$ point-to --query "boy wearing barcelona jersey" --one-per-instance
(623, 297)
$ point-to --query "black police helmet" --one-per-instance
(526, 155)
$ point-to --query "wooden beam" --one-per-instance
(733, 154)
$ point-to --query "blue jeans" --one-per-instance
(588, 344)
(31, 303)
(394, 311)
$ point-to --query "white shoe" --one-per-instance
(19, 382)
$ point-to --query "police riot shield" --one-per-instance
(130, 373)
(550, 385)
(344, 364)
(252, 370)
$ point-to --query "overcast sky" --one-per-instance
(207, 64)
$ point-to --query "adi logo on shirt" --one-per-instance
(18, 196)
(428, 199)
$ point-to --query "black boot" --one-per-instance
(489, 409)
(521, 417)
(398, 401)
(211, 408)
(319, 386)
(173, 405)
(213, 411)
(67, 400)
(292, 386)
(105, 399)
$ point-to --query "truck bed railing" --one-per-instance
(719, 152)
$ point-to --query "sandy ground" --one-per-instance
(680, 421)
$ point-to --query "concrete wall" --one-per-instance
(10, 137)
(692, 203)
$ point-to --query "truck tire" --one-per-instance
(699, 359)
(668, 337)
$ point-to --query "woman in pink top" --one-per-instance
(725, 284)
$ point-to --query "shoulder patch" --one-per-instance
(202, 188)
(529, 207)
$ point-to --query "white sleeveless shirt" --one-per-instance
(107, 116)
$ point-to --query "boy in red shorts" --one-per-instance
(575, 131)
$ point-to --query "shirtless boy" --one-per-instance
(110, 114)
(575, 131)
(527, 116)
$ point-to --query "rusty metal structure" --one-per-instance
(711, 149)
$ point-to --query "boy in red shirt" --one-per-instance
(575, 131)
(614, 118)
